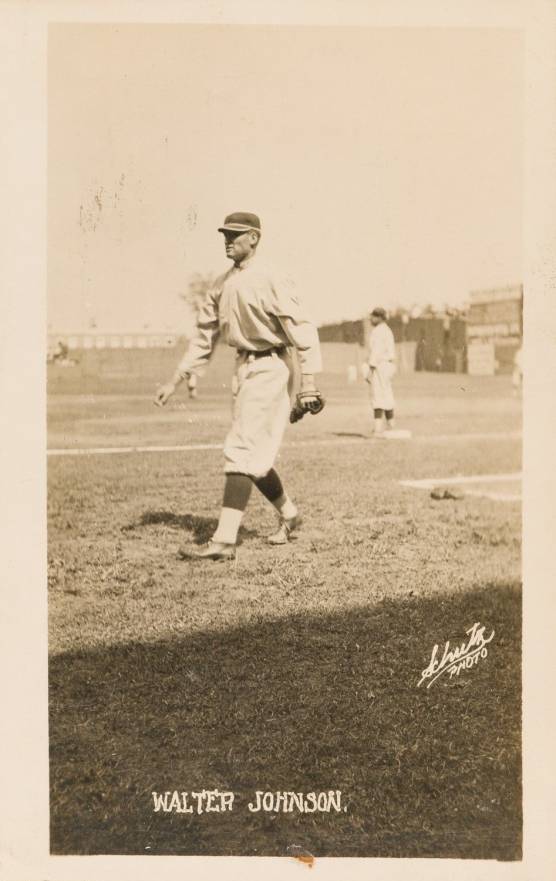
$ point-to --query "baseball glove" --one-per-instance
(306, 402)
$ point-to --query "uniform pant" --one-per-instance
(260, 413)
(380, 381)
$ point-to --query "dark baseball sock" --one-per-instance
(389, 414)
(378, 413)
(237, 490)
(270, 485)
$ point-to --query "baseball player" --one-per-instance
(517, 373)
(257, 311)
(192, 386)
(382, 366)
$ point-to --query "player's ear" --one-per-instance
(254, 236)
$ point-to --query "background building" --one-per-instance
(430, 342)
(494, 329)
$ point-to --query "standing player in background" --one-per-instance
(517, 373)
(382, 366)
(256, 311)
(192, 386)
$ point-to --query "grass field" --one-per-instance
(293, 668)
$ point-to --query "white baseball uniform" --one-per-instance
(382, 361)
(255, 310)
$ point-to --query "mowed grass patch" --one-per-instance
(293, 668)
(427, 403)
(117, 523)
(305, 703)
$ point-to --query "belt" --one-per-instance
(265, 353)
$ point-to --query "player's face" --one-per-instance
(375, 320)
(240, 245)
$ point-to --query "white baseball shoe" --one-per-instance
(285, 529)
(214, 550)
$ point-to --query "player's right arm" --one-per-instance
(372, 351)
(199, 350)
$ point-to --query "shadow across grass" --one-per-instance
(308, 703)
(203, 528)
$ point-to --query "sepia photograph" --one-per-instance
(284, 432)
(285, 352)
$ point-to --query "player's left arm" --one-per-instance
(303, 336)
(299, 330)
(392, 346)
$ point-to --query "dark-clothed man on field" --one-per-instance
(257, 311)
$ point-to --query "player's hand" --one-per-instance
(306, 402)
(164, 393)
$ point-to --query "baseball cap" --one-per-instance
(379, 312)
(240, 221)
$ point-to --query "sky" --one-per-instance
(385, 164)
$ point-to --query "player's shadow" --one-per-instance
(202, 528)
(349, 434)
(307, 702)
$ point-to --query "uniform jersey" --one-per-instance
(381, 345)
(382, 360)
(253, 308)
